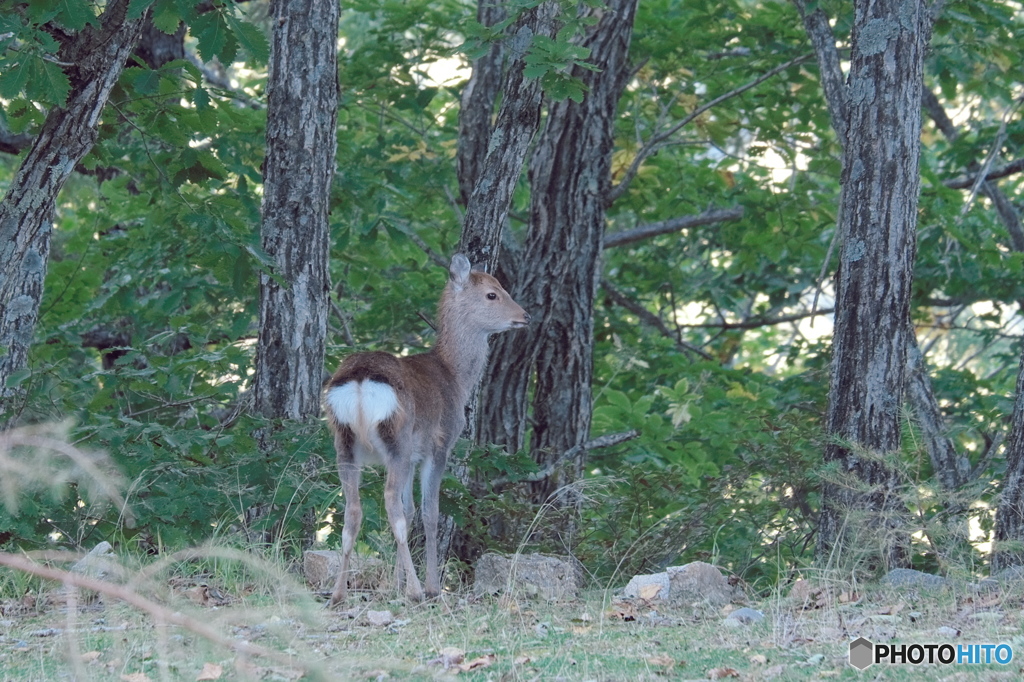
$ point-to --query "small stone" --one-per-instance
(908, 577)
(987, 616)
(946, 632)
(528, 575)
(744, 616)
(380, 618)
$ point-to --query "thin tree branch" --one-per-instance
(951, 469)
(1006, 211)
(758, 322)
(965, 181)
(645, 315)
(14, 143)
(833, 83)
(988, 456)
(655, 142)
(346, 329)
(672, 225)
(605, 441)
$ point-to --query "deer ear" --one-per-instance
(459, 270)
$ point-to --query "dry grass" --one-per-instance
(220, 613)
(207, 627)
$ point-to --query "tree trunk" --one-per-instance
(96, 56)
(496, 174)
(877, 226)
(557, 278)
(490, 162)
(302, 103)
(476, 107)
(1009, 545)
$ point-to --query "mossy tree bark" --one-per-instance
(95, 57)
(302, 105)
(877, 115)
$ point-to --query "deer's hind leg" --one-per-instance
(431, 473)
(397, 499)
(349, 473)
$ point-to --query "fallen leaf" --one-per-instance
(891, 610)
(521, 660)
(90, 656)
(200, 594)
(722, 673)
(210, 671)
(661, 661)
(759, 659)
(449, 657)
(849, 597)
(479, 662)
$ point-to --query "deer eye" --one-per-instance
(491, 296)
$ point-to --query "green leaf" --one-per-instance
(201, 98)
(213, 37)
(252, 39)
(166, 16)
(75, 14)
(51, 80)
(147, 81)
(136, 8)
(13, 78)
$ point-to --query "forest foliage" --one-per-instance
(712, 341)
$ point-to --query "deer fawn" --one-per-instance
(404, 411)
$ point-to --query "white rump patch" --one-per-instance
(368, 401)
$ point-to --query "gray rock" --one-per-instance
(1010, 574)
(531, 575)
(908, 577)
(99, 563)
(320, 568)
(699, 583)
(744, 616)
(380, 618)
(654, 586)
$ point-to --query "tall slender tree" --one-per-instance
(302, 94)
(877, 114)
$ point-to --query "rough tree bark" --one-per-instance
(877, 115)
(493, 171)
(302, 103)
(1009, 545)
(557, 278)
(96, 56)
(476, 108)
(490, 161)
